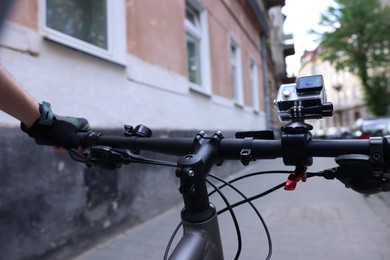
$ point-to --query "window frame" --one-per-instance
(235, 60)
(200, 32)
(254, 81)
(116, 33)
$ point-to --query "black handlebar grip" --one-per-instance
(86, 138)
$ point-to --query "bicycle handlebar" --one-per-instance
(364, 164)
(229, 148)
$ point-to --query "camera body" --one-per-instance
(305, 99)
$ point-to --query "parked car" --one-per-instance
(338, 133)
(318, 134)
(366, 128)
(387, 129)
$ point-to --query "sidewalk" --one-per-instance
(320, 220)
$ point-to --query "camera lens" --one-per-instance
(310, 84)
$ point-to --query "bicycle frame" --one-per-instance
(199, 241)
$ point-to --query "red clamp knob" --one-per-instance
(293, 179)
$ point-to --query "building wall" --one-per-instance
(156, 36)
(276, 64)
(25, 13)
(225, 22)
(276, 40)
(152, 84)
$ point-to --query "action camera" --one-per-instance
(305, 99)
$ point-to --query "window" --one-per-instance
(235, 64)
(93, 26)
(356, 92)
(198, 59)
(194, 74)
(347, 97)
(254, 85)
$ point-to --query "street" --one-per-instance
(321, 219)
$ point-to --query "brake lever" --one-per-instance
(99, 156)
(78, 157)
(112, 158)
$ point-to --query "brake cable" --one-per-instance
(256, 211)
(236, 225)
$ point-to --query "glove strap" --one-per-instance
(47, 116)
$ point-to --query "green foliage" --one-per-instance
(360, 43)
(376, 98)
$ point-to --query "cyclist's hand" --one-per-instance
(51, 129)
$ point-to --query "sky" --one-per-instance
(301, 17)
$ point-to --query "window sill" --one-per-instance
(198, 90)
(19, 38)
(118, 59)
(238, 104)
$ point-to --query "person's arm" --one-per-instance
(37, 120)
(15, 101)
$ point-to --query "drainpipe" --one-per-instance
(267, 92)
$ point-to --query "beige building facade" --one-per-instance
(343, 89)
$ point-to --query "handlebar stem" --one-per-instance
(192, 171)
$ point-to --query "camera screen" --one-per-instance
(310, 84)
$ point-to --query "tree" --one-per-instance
(359, 42)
